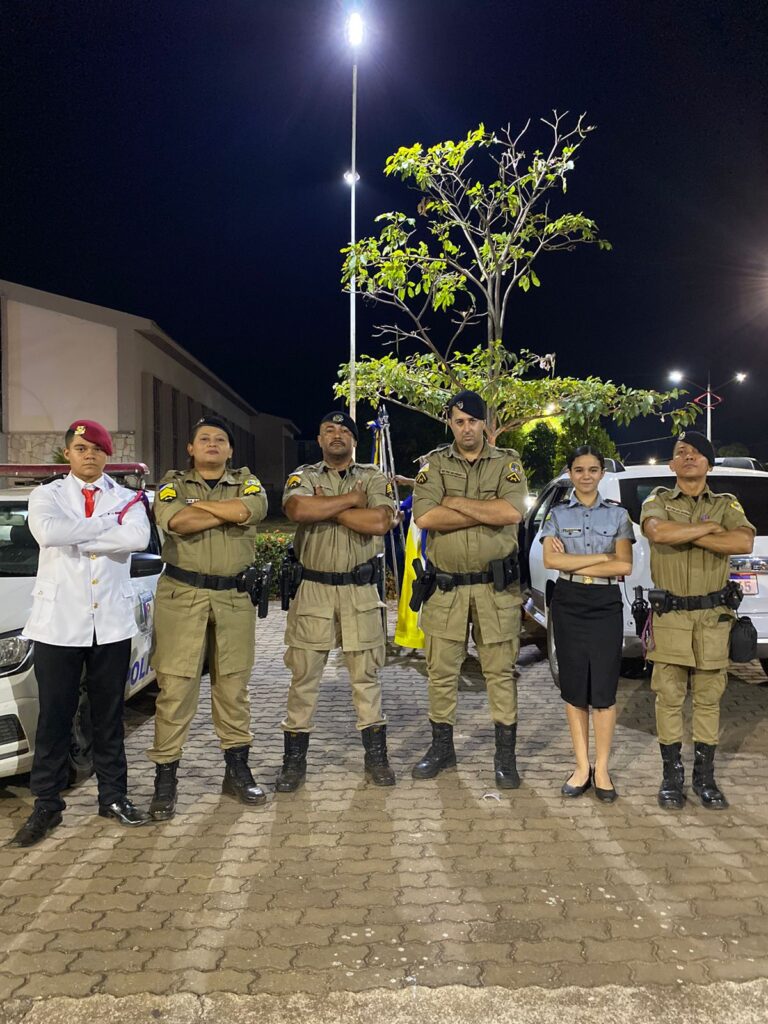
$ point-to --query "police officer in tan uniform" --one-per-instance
(343, 508)
(208, 514)
(692, 531)
(470, 497)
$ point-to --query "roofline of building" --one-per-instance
(148, 329)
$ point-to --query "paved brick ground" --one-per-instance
(345, 888)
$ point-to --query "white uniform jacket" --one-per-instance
(84, 575)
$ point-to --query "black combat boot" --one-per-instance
(671, 795)
(163, 804)
(376, 764)
(294, 769)
(238, 781)
(703, 784)
(440, 754)
(504, 760)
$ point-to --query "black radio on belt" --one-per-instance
(256, 582)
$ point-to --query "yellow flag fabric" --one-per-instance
(408, 633)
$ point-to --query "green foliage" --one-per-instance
(58, 457)
(270, 547)
(538, 455)
(517, 388)
(487, 211)
(572, 436)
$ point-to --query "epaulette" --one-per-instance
(368, 465)
(612, 501)
(507, 451)
(440, 448)
(175, 474)
(655, 491)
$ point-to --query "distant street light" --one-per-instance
(652, 461)
(355, 39)
(708, 399)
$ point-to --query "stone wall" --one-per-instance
(36, 448)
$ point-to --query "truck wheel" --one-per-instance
(81, 743)
(554, 667)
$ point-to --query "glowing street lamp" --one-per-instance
(708, 399)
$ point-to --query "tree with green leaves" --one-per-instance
(487, 212)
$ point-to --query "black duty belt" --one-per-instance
(201, 579)
(449, 580)
(362, 575)
(729, 596)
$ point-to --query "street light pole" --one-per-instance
(352, 280)
(708, 399)
(355, 38)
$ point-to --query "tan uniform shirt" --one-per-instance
(693, 638)
(183, 611)
(330, 547)
(496, 473)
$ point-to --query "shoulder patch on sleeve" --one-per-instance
(737, 505)
(390, 489)
(421, 476)
(514, 476)
(167, 493)
(293, 480)
(252, 485)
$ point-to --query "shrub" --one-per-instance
(270, 547)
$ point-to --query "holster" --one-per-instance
(256, 582)
(640, 609)
(423, 586)
(505, 572)
(290, 577)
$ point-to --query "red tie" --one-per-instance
(89, 493)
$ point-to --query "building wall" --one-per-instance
(61, 359)
(59, 367)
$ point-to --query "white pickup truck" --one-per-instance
(18, 686)
(631, 486)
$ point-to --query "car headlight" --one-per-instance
(15, 650)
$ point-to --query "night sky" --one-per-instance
(183, 160)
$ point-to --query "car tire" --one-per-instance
(554, 667)
(764, 663)
(80, 765)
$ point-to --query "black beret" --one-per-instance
(697, 441)
(214, 421)
(469, 402)
(337, 416)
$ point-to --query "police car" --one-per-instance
(18, 566)
(631, 486)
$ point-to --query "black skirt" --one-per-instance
(589, 632)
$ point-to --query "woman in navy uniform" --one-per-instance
(590, 541)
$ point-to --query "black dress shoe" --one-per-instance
(568, 790)
(37, 826)
(122, 810)
(606, 795)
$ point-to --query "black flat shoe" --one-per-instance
(606, 795)
(36, 827)
(568, 790)
(123, 811)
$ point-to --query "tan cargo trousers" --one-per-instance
(670, 684)
(444, 660)
(177, 702)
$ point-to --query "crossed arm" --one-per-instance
(709, 535)
(457, 513)
(350, 510)
(616, 563)
(204, 515)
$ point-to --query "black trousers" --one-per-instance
(59, 671)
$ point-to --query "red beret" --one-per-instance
(91, 431)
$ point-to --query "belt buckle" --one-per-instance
(588, 579)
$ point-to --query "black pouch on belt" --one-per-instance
(743, 643)
(660, 601)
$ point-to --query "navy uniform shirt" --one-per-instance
(588, 530)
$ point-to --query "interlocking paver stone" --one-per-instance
(345, 888)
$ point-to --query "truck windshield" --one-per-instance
(751, 491)
(18, 548)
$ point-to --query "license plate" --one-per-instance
(747, 581)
